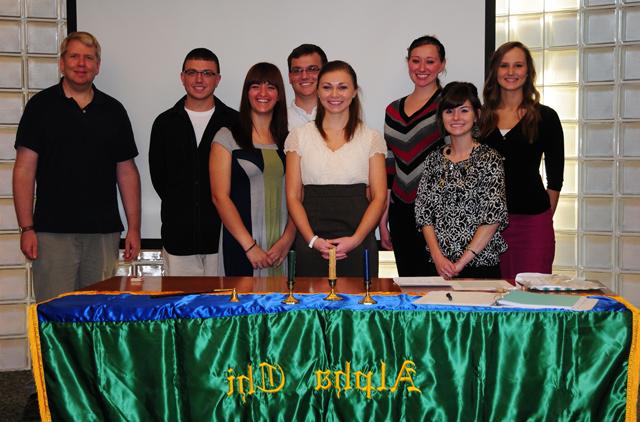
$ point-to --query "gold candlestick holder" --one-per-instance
(332, 296)
(234, 294)
(291, 274)
(290, 299)
(367, 299)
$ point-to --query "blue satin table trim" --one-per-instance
(128, 307)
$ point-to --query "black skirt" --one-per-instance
(335, 211)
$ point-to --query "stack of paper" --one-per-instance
(458, 298)
(530, 300)
(421, 282)
(483, 285)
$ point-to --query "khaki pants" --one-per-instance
(70, 261)
(190, 265)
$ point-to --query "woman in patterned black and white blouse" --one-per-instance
(461, 206)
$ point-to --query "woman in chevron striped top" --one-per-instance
(411, 133)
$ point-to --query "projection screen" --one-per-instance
(144, 43)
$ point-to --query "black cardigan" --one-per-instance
(526, 193)
(180, 175)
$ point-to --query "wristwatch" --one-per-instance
(25, 229)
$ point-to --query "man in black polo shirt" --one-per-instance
(77, 143)
(179, 165)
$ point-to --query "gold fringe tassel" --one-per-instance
(36, 362)
(633, 367)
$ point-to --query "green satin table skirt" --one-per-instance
(186, 360)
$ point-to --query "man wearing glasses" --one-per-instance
(305, 62)
(75, 145)
(179, 165)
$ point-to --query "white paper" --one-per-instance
(482, 285)
(582, 304)
(585, 304)
(454, 298)
(421, 282)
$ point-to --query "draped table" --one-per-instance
(150, 350)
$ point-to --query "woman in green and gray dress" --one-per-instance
(247, 167)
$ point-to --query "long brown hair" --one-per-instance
(262, 73)
(492, 94)
(355, 109)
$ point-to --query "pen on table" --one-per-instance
(449, 297)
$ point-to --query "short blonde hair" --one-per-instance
(85, 38)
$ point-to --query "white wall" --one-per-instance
(144, 43)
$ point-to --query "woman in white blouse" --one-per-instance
(335, 179)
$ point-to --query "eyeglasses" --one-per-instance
(308, 69)
(192, 73)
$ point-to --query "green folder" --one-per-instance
(539, 300)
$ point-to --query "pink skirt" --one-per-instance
(532, 244)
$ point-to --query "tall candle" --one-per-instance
(291, 272)
(367, 277)
(332, 264)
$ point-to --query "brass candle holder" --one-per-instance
(367, 299)
(290, 299)
(234, 294)
(332, 296)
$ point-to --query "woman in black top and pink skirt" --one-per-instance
(522, 130)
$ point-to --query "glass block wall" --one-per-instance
(587, 55)
(30, 33)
